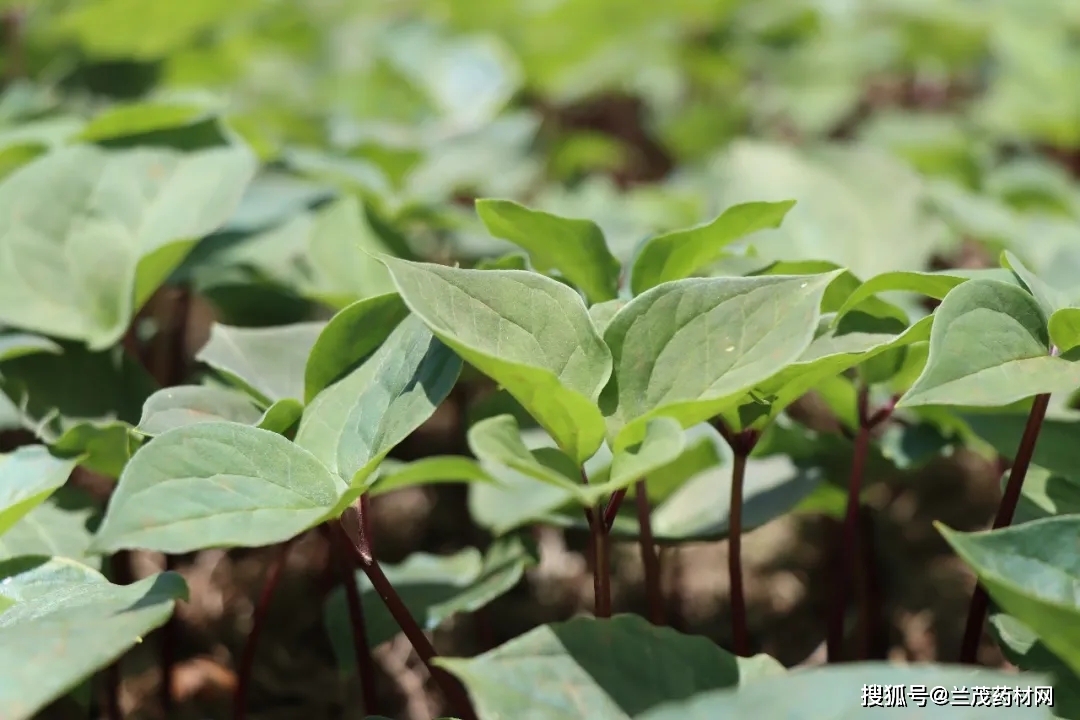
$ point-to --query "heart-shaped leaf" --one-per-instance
(689, 349)
(67, 622)
(268, 362)
(91, 233)
(27, 477)
(576, 249)
(680, 254)
(352, 425)
(593, 668)
(1031, 571)
(527, 332)
(341, 249)
(989, 346)
(216, 484)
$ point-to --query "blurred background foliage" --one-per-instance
(642, 116)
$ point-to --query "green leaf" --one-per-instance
(931, 284)
(216, 484)
(603, 313)
(68, 623)
(574, 248)
(429, 471)
(268, 362)
(1064, 327)
(27, 477)
(837, 693)
(90, 233)
(1031, 572)
(530, 334)
(352, 425)
(140, 118)
(989, 346)
(510, 261)
(689, 349)
(62, 526)
(517, 499)
(174, 407)
(433, 588)
(1023, 648)
(1050, 298)
(680, 254)
(593, 668)
(350, 336)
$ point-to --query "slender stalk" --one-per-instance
(601, 546)
(262, 609)
(355, 524)
(612, 509)
(650, 559)
(849, 541)
(740, 632)
(979, 600)
(365, 664)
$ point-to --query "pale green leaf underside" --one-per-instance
(529, 333)
(27, 477)
(989, 346)
(689, 348)
(216, 484)
(87, 234)
(71, 623)
(269, 361)
(352, 425)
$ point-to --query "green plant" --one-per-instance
(630, 378)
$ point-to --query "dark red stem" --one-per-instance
(355, 525)
(650, 559)
(849, 541)
(599, 544)
(262, 608)
(979, 600)
(365, 664)
(742, 444)
(612, 509)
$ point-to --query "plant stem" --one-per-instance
(365, 665)
(612, 509)
(355, 524)
(979, 600)
(739, 630)
(650, 559)
(601, 567)
(262, 608)
(599, 544)
(741, 444)
(849, 541)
